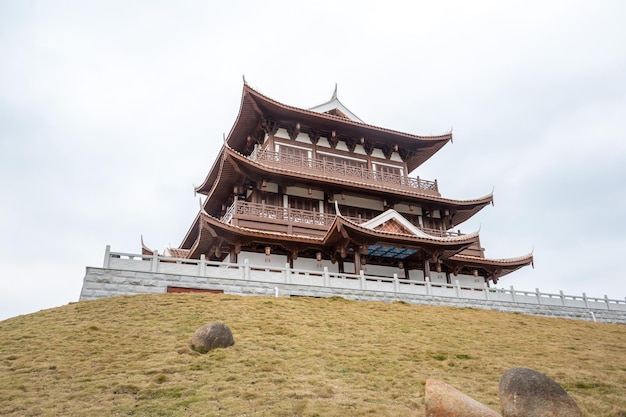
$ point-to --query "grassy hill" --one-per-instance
(292, 357)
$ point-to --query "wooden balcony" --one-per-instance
(278, 218)
(344, 171)
(289, 220)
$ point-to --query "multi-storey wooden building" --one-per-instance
(319, 187)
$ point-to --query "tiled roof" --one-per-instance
(324, 178)
(525, 259)
(254, 92)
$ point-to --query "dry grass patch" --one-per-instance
(292, 357)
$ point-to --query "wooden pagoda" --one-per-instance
(320, 188)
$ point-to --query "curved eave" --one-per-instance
(342, 228)
(192, 234)
(213, 231)
(217, 187)
(233, 233)
(254, 105)
(219, 184)
(213, 175)
(205, 238)
(468, 208)
(502, 266)
(465, 208)
(144, 249)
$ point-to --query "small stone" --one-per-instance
(442, 400)
(528, 393)
(212, 336)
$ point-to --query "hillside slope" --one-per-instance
(292, 357)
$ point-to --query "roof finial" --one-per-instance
(334, 97)
(244, 79)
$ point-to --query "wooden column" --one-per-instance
(357, 259)
(234, 252)
(340, 266)
(426, 269)
(293, 255)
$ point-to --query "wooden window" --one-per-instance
(386, 169)
(270, 199)
(344, 161)
(295, 152)
(300, 203)
(355, 212)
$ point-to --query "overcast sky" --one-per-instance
(111, 111)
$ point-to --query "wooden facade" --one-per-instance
(319, 187)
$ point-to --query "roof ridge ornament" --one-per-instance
(334, 97)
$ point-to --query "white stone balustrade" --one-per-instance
(202, 274)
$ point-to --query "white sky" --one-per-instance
(110, 112)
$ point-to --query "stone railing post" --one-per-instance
(428, 289)
(395, 282)
(538, 293)
(155, 261)
(326, 277)
(513, 297)
(202, 265)
(107, 257)
(246, 269)
(486, 289)
(362, 279)
(287, 273)
(457, 287)
(562, 297)
(585, 300)
(606, 300)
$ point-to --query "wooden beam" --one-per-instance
(294, 131)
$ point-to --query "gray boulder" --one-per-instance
(212, 336)
(528, 393)
(442, 400)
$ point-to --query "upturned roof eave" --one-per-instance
(520, 260)
(254, 105)
(504, 266)
(192, 234)
(255, 233)
(459, 242)
(481, 201)
(265, 100)
(210, 180)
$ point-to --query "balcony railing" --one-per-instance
(333, 169)
(303, 217)
(278, 213)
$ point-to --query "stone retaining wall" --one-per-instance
(101, 283)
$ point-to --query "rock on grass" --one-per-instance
(212, 336)
(528, 393)
(442, 400)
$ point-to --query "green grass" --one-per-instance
(292, 357)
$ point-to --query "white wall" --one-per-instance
(468, 280)
(375, 270)
(385, 271)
